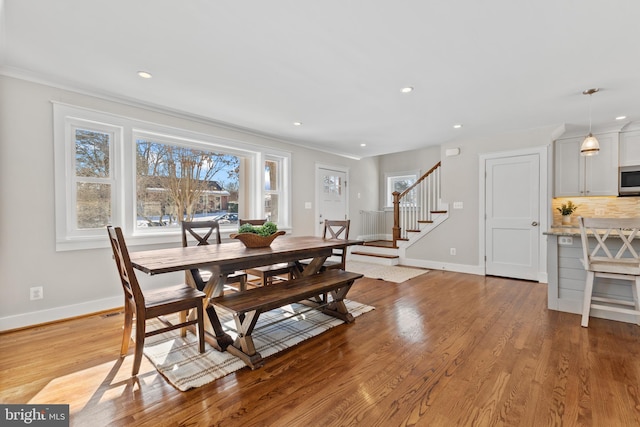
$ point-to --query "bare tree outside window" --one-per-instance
(92, 178)
(177, 183)
(400, 183)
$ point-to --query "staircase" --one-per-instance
(416, 211)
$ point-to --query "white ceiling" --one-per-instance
(338, 66)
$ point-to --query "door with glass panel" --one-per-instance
(331, 190)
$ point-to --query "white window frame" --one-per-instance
(123, 179)
(390, 177)
(283, 185)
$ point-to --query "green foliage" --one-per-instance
(263, 230)
(567, 208)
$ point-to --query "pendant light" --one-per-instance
(590, 145)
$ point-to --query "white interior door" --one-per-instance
(512, 220)
(331, 194)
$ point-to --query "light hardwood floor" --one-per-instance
(442, 349)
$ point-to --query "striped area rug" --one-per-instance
(179, 361)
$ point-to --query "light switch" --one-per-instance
(307, 205)
(457, 205)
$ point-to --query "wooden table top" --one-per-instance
(231, 256)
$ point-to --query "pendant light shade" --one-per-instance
(590, 145)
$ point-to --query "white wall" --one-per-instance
(80, 282)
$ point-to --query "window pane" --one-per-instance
(92, 153)
(176, 183)
(333, 184)
(271, 176)
(401, 184)
(271, 207)
(93, 205)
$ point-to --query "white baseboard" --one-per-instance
(443, 266)
(58, 313)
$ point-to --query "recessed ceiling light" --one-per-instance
(406, 89)
(297, 123)
(363, 145)
(621, 117)
(457, 126)
(144, 74)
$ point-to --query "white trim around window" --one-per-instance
(390, 178)
(122, 133)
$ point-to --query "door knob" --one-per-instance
(534, 223)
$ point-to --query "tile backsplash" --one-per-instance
(606, 207)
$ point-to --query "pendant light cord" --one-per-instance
(590, 113)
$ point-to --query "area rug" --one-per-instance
(390, 273)
(179, 361)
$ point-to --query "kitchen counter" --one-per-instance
(563, 230)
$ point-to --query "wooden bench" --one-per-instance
(312, 290)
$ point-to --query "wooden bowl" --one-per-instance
(252, 240)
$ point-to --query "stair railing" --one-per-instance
(416, 204)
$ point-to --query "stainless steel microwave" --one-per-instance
(629, 181)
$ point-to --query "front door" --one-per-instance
(512, 220)
(331, 190)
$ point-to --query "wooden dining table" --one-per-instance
(226, 258)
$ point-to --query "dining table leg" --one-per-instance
(215, 335)
(310, 269)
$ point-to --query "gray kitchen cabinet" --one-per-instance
(630, 148)
(577, 175)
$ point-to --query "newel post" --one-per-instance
(396, 216)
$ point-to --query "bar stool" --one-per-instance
(612, 258)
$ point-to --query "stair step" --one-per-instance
(380, 244)
(425, 221)
(438, 212)
(375, 255)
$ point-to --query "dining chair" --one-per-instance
(152, 304)
(204, 232)
(612, 257)
(267, 274)
(335, 229)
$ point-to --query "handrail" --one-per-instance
(416, 212)
(415, 184)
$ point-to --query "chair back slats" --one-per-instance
(609, 233)
(123, 262)
(201, 231)
(337, 229)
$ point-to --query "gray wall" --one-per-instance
(460, 183)
(80, 282)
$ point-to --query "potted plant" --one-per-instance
(257, 236)
(567, 209)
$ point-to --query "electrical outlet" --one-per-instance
(36, 293)
(452, 251)
(599, 212)
(565, 240)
